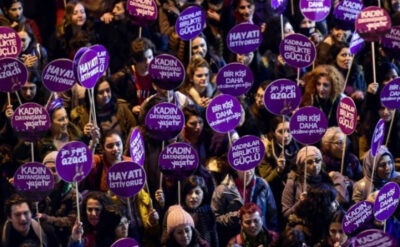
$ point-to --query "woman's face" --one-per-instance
(194, 126)
(113, 148)
(79, 15)
(337, 145)
(245, 59)
(259, 98)
(121, 231)
(384, 167)
(142, 67)
(93, 211)
(194, 197)
(385, 114)
(307, 23)
(314, 164)
(343, 59)
(25, 39)
(52, 167)
(324, 87)
(201, 78)
(59, 122)
(245, 10)
(28, 91)
(119, 11)
(15, 12)
(395, 5)
(199, 47)
(336, 233)
(288, 29)
(390, 76)
(183, 235)
(282, 133)
(103, 95)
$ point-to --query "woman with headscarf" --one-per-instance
(294, 191)
(384, 171)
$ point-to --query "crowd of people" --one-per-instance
(264, 206)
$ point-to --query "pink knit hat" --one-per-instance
(311, 150)
(177, 216)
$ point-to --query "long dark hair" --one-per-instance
(104, 201)
(171, 242)
(191, 183)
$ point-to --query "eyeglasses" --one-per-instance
(312, 161)
(339, 143)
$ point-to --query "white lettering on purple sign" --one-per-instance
(9, 70)
(297, 50)
(125, 179)
(137, 149)
(190, 23)
(35, 177)
(374, 18)
(59, 75)
(350, 9)
(224, 113)
(8, 45)
(386, 201)
(143, 7)
(169, 67)
(375, 239)
(168, 116)
(77, 155)
(244, 38)
(33, 117)
(379, 133)
(89, 69)
(358, 215)
(246, 153)
(234, 79)
(309, 125)
(283, 92)
(182, 156)
(346, 115)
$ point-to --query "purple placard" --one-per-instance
(246, 153)
(74, 161)
(386, 201)
(167, 71)
(308, 125)
(30, 120)
(282, 96)
(374, 238)
(125, 242)
(297, 50)
(126, 178)
(372, 23)
(224, 113)
(10, 43)
(190, 22)
(235, 79)
(13, 74)
(357, 217)
(278, 6)
(391, 40)
(315, 10)
(356, 43)
(178, 160)
(136, 147)
(346, 12)
(88, 69)
(390, 94)
(34, 179)
(164, 121)
(78, 56)
(143, 11)
(103, 56)
(58, 75)
(377, 138)
(244, 38)
(346, 115)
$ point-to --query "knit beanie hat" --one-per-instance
(177, 216)
(311, 150)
